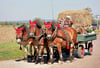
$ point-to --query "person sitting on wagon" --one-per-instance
(61, 23)
(68, 22)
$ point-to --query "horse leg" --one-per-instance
(29, 52)
(51, 54)
(29, 49)
(40, 54)
(71, 52)
(48, 56)
(60, 53)
(33, 53)
(25, 53)
(36, 47)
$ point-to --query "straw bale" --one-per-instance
(79, 17)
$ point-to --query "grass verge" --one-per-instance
(10, 51)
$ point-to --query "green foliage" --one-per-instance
(89, 9)
(11, 23)
(10, 51)
(99, 22)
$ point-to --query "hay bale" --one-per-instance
(79, 17)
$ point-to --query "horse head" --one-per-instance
(19, 33)
(49, 29)
(32, 28)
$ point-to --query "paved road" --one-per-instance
(87, 62)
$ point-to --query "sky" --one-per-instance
(17, 10)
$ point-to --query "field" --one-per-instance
(7, 34)
(9, 49)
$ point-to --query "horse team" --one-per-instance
(36, 38)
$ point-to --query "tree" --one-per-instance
(89, 9)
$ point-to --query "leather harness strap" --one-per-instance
(66, 34)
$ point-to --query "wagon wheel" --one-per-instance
(90, 48)
(81, 51)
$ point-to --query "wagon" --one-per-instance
(84, 41)
(81, 18)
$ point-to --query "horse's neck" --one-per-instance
(38, 31)
(25, 34)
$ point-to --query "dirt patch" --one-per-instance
(7, 34)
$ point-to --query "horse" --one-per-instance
(22, 38)
(36, 38)
(60, 37)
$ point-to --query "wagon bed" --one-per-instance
(85, 42)
(86, 37)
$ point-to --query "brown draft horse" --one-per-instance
(56, 36)
(35, 37)
(22, 37)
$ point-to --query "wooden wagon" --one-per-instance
(81, 18)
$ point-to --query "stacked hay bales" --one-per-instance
(79, 17)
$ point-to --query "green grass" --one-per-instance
(10, 51)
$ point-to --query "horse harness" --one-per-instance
(66, 34)
(56, 35)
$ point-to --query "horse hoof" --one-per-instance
(36, 62)
(42, 63)
(68, 61)
(49, 63)
(33, 60)
(25, 60)
(71, 59)
(60, 62)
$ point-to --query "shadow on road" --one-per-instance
(65, 54)
(18, 60)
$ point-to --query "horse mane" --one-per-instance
(52, 27)
(25, 28)
(38, 25)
